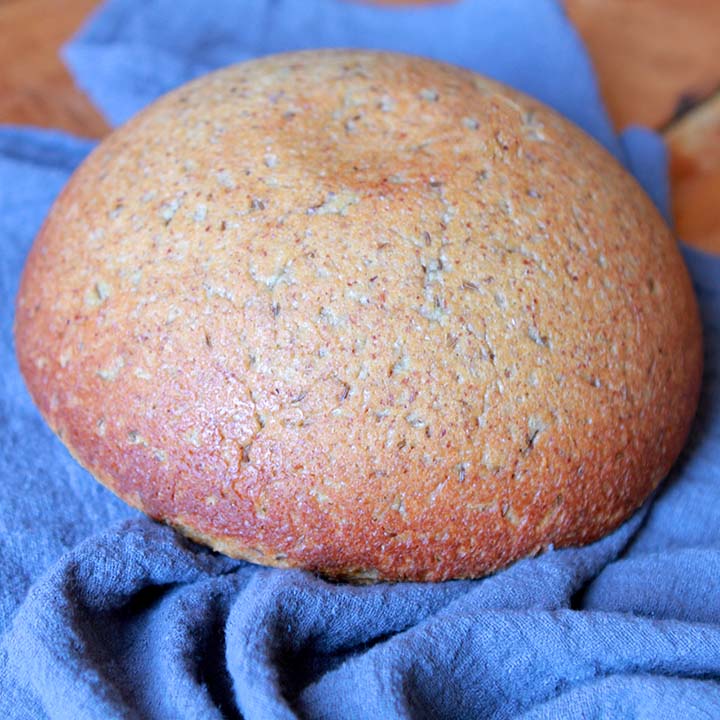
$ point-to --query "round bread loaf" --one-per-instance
(362, 313)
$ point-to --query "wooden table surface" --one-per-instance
(658, 62)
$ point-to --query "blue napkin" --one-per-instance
(106, 615)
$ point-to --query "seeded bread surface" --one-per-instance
(362, 313)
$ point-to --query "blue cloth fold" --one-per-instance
(105, 614)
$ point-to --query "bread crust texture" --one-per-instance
(362, 313)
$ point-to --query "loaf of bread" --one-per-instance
(362, 313)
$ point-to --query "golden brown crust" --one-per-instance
(362, 313)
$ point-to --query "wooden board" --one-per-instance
(656, 59)
(35, 87)
(694, 143)
(653, 58)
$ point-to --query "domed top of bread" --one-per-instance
(363, 313)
